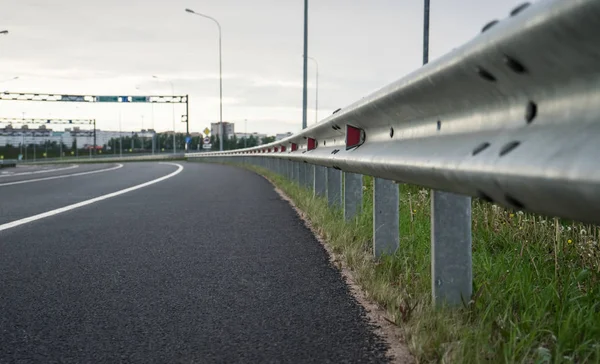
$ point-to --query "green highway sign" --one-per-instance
(107, 98)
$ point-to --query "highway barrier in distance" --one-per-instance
(8, 163)
(107, 158)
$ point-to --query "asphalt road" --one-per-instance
(207, 266)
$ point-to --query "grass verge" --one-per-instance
(536, 280)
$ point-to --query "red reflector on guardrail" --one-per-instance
(312, 144)
(294, 147)
(354, 136)
(283, 148)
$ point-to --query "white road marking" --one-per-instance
(88, 202)
(62, 176)
(42, 171)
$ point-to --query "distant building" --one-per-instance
(283, 136)
(228, 129)
(256, 136)
(85, 138)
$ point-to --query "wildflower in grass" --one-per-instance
(519, 212)
(520, 228)
(415, 211)
(582, 232)
(512, 215)
(570, 241)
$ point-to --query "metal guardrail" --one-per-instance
(8, 163)
(105, 158)
(511, 117)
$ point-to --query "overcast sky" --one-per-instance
(110, 47)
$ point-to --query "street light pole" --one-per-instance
(173, 111)
(426, 32)
(305, 64)
(120, 137)
(317, 91)
(143, 135)
(152, 120)
(220, 76)
(23, 134)
(153, 131)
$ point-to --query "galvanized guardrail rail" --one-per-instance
(511, 117)
(8, 163)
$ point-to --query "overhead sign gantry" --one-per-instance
(31, 96)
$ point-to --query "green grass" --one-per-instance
(536, 281)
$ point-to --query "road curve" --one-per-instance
(208, 266)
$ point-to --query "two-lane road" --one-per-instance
(169, 262)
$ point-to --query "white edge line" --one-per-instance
(42, 171)
(119, 165)
(89, 202)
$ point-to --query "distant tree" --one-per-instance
(230, 143)
(252, 141)
(214, 141)
(195, 141)
(242, 142)
(267, 140)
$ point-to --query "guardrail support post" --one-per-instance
(353, 194)
(334, 187)
(451, 260)
(386, 222)
(306, 175)
(300, 173)
(310, 182)
(320, 181)
(303, 173)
